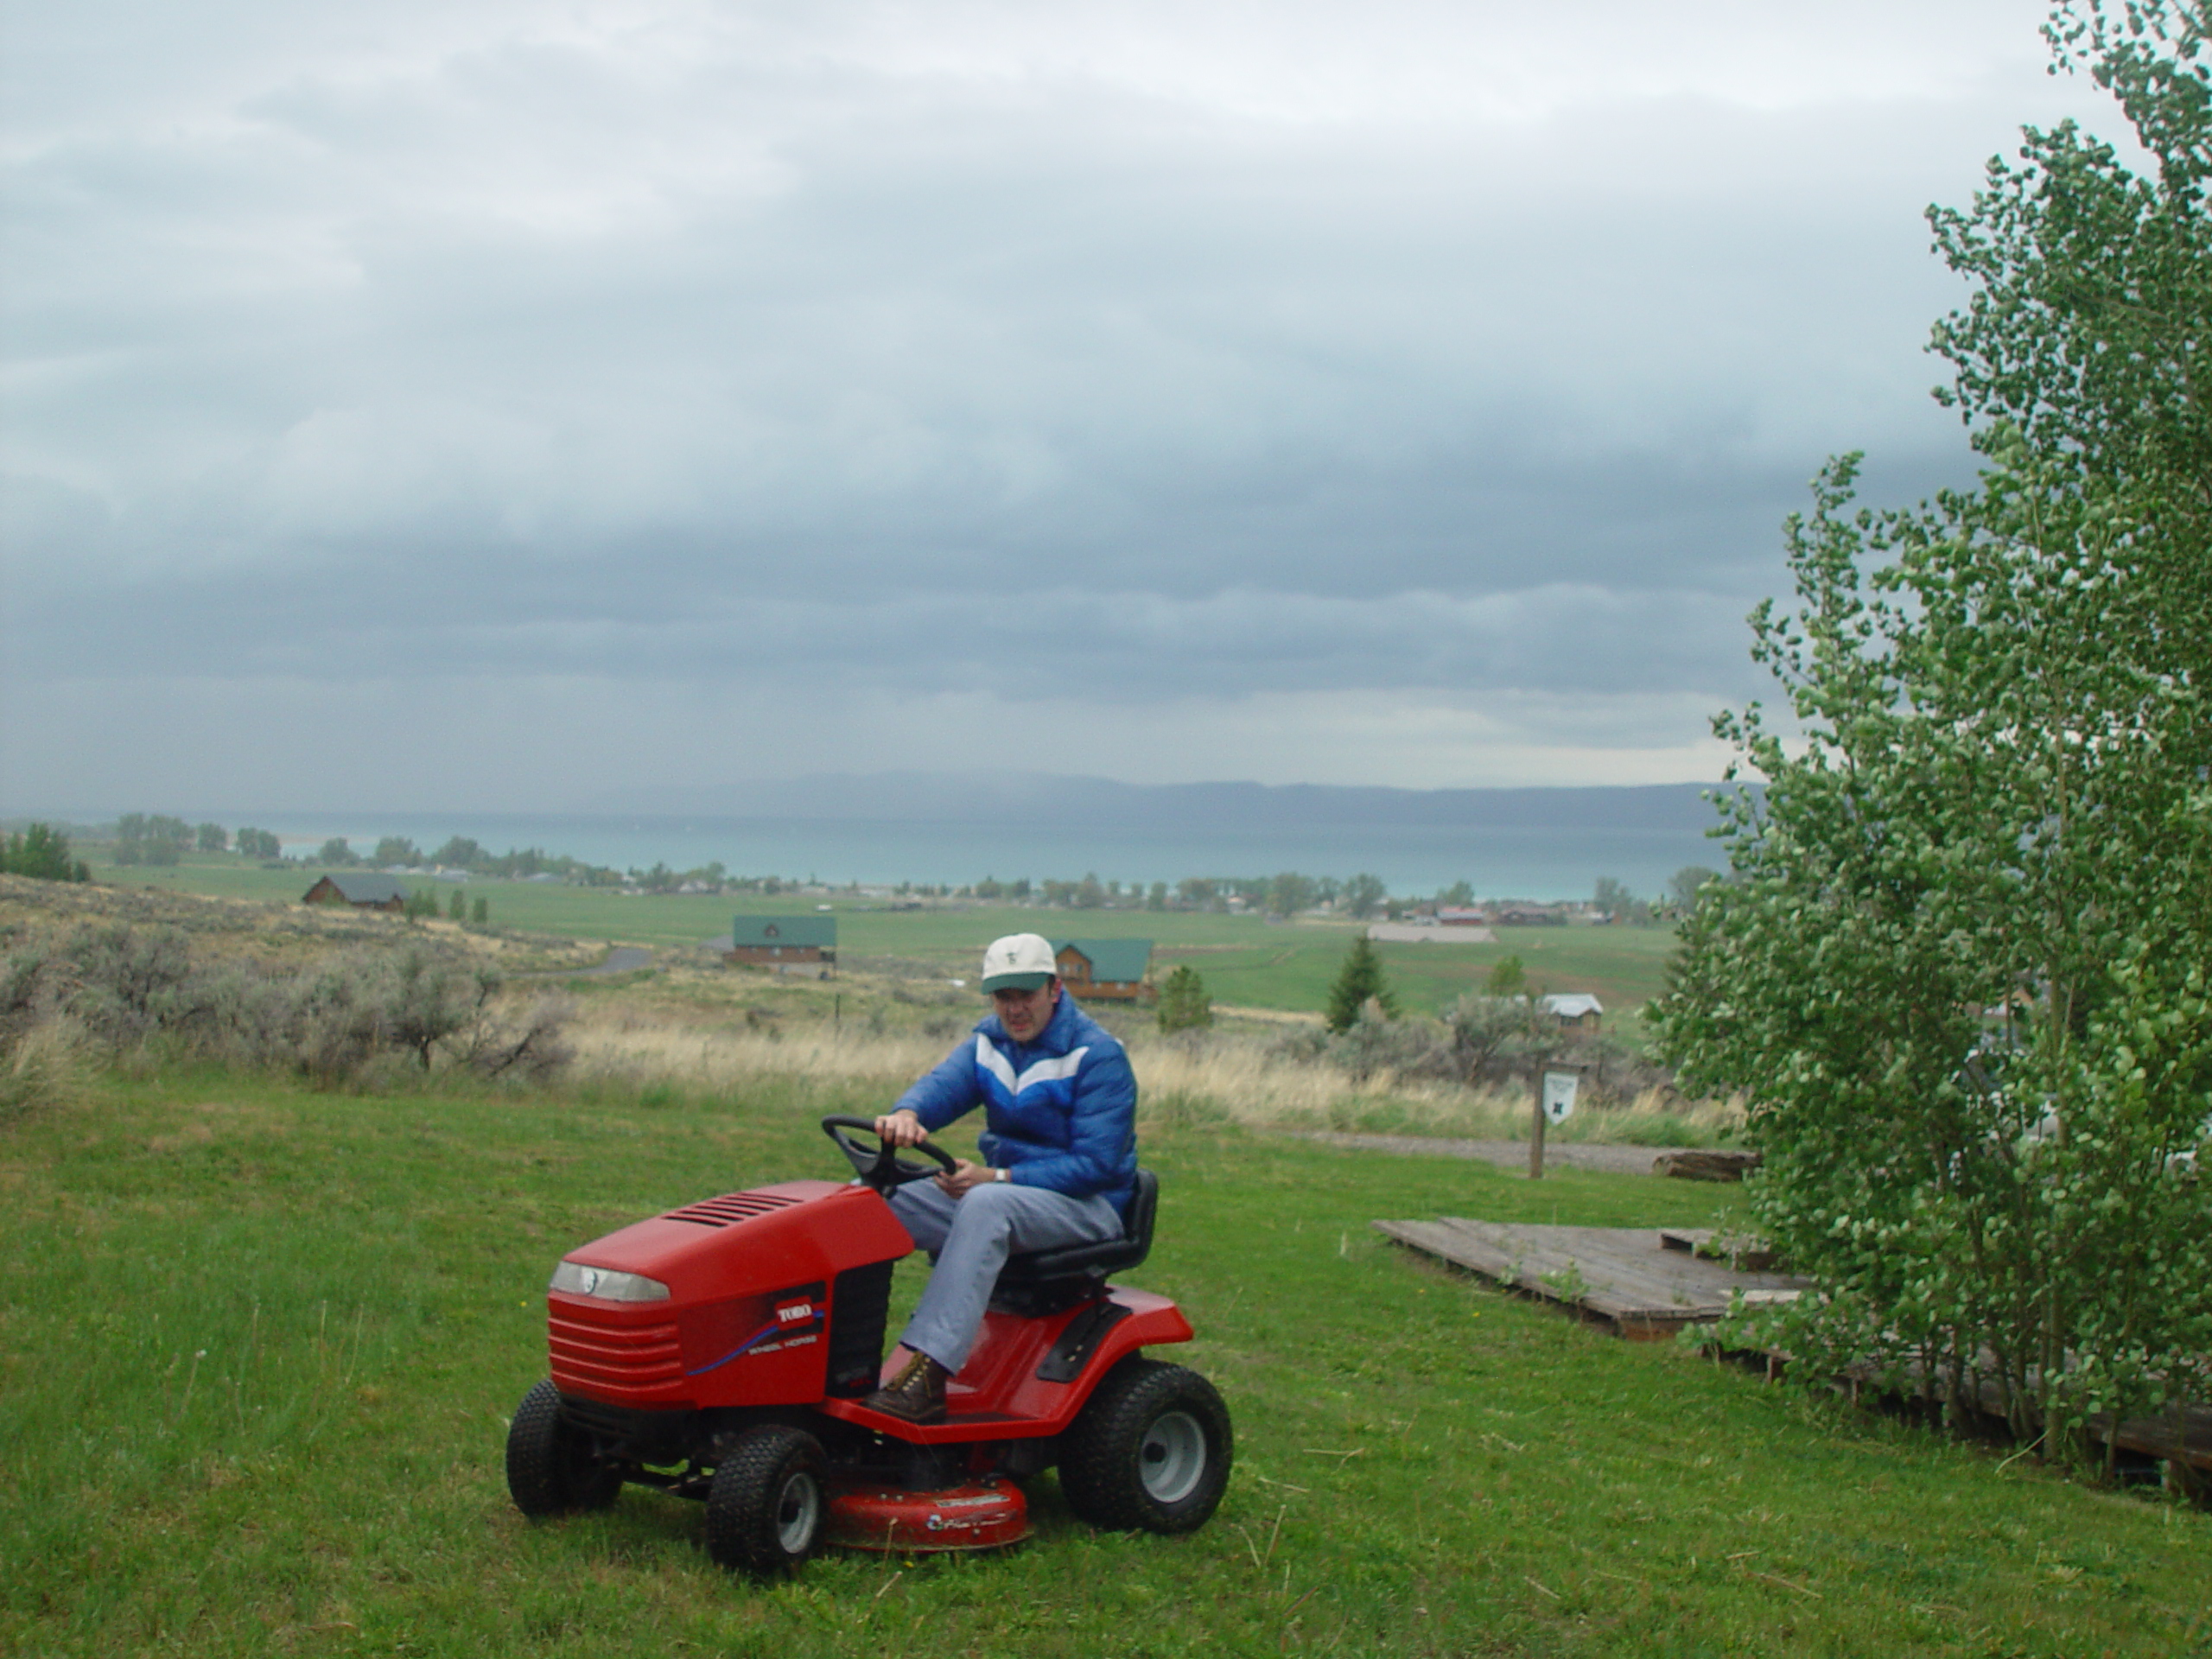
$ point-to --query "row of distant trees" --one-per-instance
(521, 863)
(1613, 899)
(159, 839)
(1291, 894)
(423, 904)
(1284, 895)
(462, 853)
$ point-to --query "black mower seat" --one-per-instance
(1043, 1281)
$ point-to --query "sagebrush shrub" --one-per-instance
(122, 989)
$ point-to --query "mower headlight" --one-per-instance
(606, 1283)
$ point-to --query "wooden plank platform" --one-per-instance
(1624, 1277)
(1647, 1284)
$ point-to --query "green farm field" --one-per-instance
(260, 1346)
(1247, 961)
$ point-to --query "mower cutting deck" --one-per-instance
(722, 1350)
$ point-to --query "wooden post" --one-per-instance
(1536, 1123)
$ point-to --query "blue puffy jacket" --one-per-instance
(1060, 1112)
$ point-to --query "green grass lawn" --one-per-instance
(1247, 961)
(258, 1346)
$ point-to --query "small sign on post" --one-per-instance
(1551, 1102)
(1559, 1096)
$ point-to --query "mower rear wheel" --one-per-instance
(766, 1507)
(1151, 1451)
(550, 1468)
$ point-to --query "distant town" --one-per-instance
(156, 840)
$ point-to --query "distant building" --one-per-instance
(1528, 915)
(361, 890)
(1461, 916)
(1575, 1008)
(782, 939)
(1108, 970)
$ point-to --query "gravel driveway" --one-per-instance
(1507, 1155)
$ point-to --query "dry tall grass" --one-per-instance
(1247, 1084)
(1182, 1082)
(48, 1066)
(632, 1053)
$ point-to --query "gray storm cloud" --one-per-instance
(1183, 357)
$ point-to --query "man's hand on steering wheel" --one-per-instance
(903, 1128)
(900, 1128)
(879, 1166)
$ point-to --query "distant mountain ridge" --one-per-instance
(1045, 801)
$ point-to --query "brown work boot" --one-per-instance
(917, 1394)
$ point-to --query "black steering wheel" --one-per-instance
(880, 1167)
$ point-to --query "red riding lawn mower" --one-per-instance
(721, 1351)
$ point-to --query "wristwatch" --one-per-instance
(1002, 1174)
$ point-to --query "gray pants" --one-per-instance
(971, 1238)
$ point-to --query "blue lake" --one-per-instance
(1518, 861)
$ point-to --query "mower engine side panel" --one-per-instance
(750, 1280)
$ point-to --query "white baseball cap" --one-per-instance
(1020, 962)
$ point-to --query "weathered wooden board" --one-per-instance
(1623, 1276)
(1695, 1164)
(2184, 1437)
(1747, 1252)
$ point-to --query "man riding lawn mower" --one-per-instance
(731, 1351)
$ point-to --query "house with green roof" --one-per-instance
(779, 940)
(1105, 969)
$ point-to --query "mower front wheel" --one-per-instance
(550, 1468)
(766, 1507)
(1150, 1452)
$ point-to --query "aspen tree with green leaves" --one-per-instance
(1962, 966)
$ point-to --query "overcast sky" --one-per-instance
(478, 405)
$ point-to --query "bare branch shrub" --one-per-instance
(534, 1048)
(1375, 1043)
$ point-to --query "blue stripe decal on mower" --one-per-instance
(750, 1342)
(774, 1327)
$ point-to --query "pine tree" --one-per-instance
(1360, 979)
(1509, 976)
(1184, 1003)
(42, 852)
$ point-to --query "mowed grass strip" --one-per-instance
(259, 1346)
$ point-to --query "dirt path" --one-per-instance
(1506, 1155)
(1273, 1016)
(622, 959)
